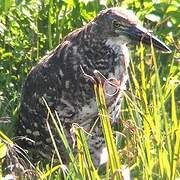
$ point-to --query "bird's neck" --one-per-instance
(110, 51)
(119, 46)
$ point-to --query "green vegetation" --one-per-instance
(148, 137)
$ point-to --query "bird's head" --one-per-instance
(122, 26)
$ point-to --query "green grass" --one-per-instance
(147, 139)
(157, 126)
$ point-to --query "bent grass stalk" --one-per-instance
(114, 159)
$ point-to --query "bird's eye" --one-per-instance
(116, 24)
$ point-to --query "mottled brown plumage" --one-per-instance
(100, 45)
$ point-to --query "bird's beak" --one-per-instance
(139, 33)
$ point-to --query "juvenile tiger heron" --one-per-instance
(101, 46)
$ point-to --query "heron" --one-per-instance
(99, 46)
